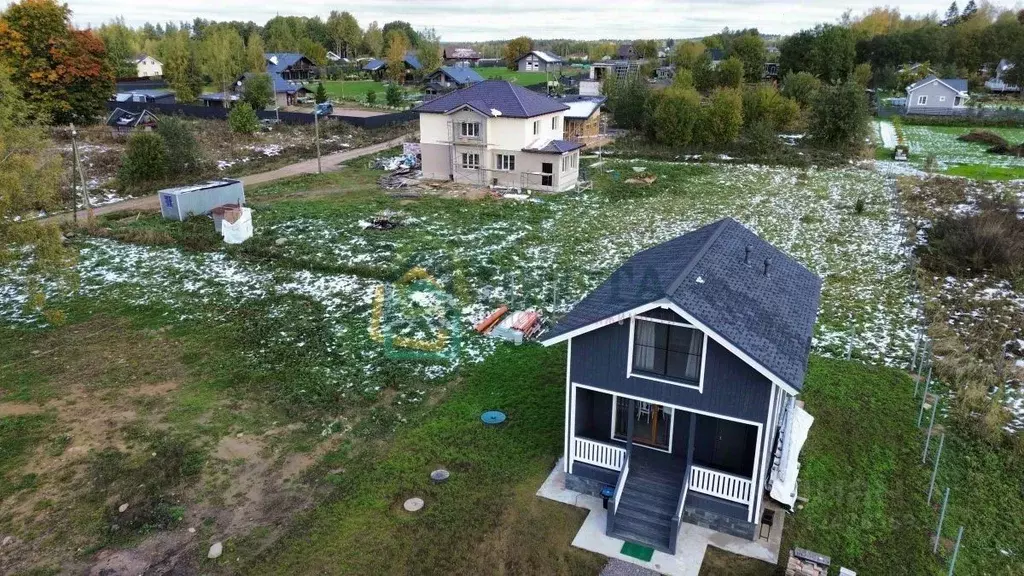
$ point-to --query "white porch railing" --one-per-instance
(721, 485)
(598, 453)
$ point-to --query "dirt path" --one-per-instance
(330, 163)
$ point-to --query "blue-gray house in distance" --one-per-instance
(681, 376)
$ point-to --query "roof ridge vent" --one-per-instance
(746, 255)
(767, 264)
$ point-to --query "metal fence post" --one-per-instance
(956, 550)
(935, 469)
(931, 424)
(917, 344)
(942, 517)
(920, 413)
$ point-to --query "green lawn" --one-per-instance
(353, 89)
(964, 158)
(278, 332)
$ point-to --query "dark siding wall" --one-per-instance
(593, 414)
(681, 433)
(730, 386)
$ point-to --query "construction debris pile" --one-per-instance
(233, 221)
(404, 171)
(515, 327)
(385, 220)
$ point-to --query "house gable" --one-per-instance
(748, 296)
(600, 360)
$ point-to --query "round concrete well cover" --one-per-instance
(413, 504)
(440, 475)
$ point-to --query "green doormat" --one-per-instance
(637, 551)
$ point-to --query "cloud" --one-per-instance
(458, 20)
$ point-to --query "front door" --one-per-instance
(652, 426)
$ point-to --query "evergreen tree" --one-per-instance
(952, 15)
(321, 93)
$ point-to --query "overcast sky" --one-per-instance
(461, 20)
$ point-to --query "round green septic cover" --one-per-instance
(493, 417)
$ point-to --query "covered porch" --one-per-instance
(691, 466)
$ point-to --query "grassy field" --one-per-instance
(353, 89)
(522, 78)
(255, 370)
(964, 158)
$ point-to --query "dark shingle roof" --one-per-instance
(280, 84)
(410, 60)
(556, 147)
(460, 74)
(958, 84)
(489, 96)
(769, 318)
(284, 60)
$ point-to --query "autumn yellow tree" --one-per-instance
(398, 45)
(29, 178)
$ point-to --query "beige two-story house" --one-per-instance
(494, 133)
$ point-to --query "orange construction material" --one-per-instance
(525, 321)
(486, 324)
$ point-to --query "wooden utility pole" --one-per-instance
(81, 174)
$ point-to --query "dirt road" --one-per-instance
(330, 163)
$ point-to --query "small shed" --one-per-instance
(184, 201)
(123, 122)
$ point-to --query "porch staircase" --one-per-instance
(649, 499)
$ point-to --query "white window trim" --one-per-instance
(469, 129)
(699, 387)
(466, 156)
(554, 122)
(671, 425)
(501, 166)
(536, 127)
(922, 100)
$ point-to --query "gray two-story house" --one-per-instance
(682, 368)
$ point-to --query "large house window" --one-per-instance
(565, 163)
(922, 100)
(470, 160)
(505, 162)
(554, 123)
(667, 351)
(536, 127)
(572, 162)
(470, 129)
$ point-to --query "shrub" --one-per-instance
(762, 140)
(858, 206)
(393, 95)
(242, 119)
(183, 154)
(371, 97)
(801, 87)
(722, 118)
(764, 103)
(675, 116)
(931, 163)
(730, 73)
(991, 241)
(258, 91)
(144, 160)
(629, 102)
(839, 115)
(683, 79)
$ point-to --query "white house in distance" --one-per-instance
(500, 134)
(148, 67)
(933, 95)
